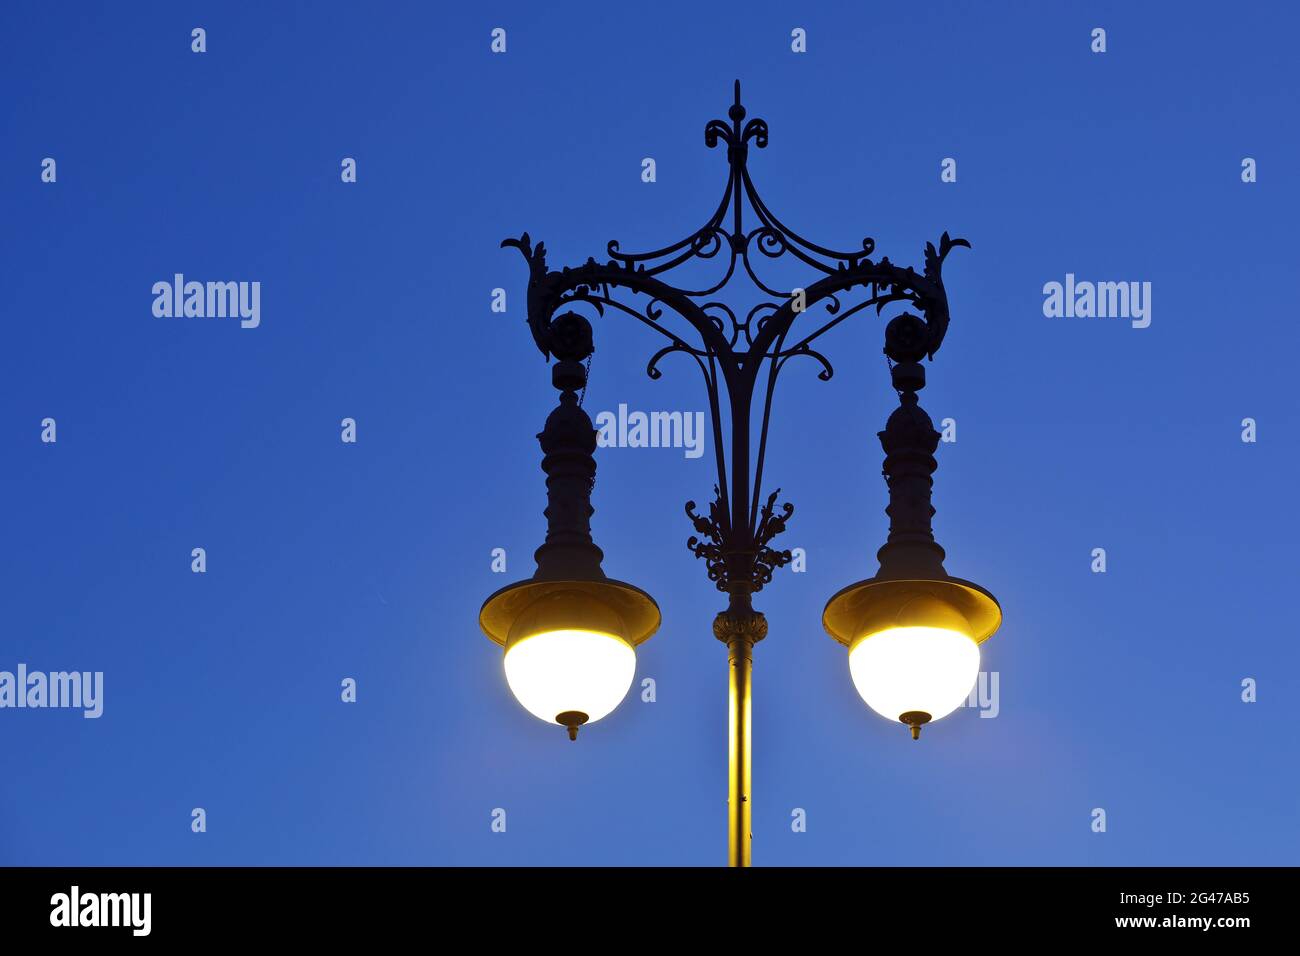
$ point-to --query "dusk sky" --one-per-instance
(328, 560)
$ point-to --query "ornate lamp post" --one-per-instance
(569, 633)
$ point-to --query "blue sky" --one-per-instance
(327, 560)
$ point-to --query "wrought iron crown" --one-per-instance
(733, 538)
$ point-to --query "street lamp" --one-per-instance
(570, 633)
(913, 631)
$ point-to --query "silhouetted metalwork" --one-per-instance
(568, 447)
(909, 441)
(733, 537)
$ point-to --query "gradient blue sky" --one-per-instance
(327, 560)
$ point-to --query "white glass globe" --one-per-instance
(928, 669)
(570, 670)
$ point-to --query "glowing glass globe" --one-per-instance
(915, 674)
(569, 644)
(570, 676)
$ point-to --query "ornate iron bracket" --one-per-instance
(732, 352)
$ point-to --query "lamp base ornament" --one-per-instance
(573, 719)
(913, 719)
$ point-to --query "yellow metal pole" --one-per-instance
(740, 657)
